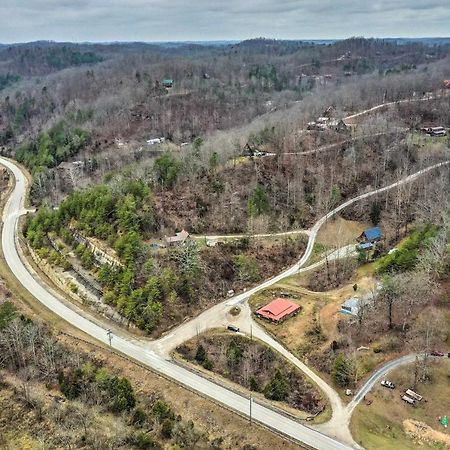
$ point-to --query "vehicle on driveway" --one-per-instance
(388, 384)
(434, 353)
(233, 328)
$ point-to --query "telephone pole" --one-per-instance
(110, 336)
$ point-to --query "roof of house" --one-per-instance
(277, 309)
(352, 302)
(168, 81)
(179, 237)
(365, 246)
(351, 305)
(373, 233)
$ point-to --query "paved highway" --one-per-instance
(139, 350)
(133, 348)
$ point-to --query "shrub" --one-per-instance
(122, 394)
(167, 428)
(139, 417)
(341, 372)
(7, 313)
(208, 364)
(254, 385)
(161, 411)
(201, 355)
(277, 389)
(70, 384)
(234, 354)
(144, 441)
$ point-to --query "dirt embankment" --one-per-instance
(421, 432)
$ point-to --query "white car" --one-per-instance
(388, 384)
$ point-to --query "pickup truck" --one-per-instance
(233, 328)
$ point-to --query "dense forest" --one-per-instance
(151, 289)
(168, 178)
(132, 194)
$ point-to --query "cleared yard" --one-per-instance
(340, 232)
(381, 425)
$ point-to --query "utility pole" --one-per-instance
(110, 336)
(251, 409)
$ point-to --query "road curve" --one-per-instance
(315, 229)
(377, 376)
(134, 348)
(140, 351)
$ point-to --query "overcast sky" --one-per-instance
(175, 20)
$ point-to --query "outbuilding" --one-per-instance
(179, 238)
(351, 306)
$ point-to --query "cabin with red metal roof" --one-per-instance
(278, 310)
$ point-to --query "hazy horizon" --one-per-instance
(101, 21)
(222, 41)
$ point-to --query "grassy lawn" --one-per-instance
(377, 426)
(339, 232)
(432, 145)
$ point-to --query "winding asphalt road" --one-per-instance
(139, 350)
(133, 348)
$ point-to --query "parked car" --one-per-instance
(434, 353)
(388, 384)
(233, 328)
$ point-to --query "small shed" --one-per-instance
(179, 238)
(351, 306)
(365, 246)
(167, 83)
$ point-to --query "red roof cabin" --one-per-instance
(278, 310)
